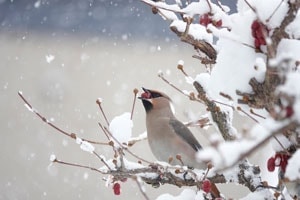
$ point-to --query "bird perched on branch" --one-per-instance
(168, 138)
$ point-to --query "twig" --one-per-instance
(218, 116)
(103, 130)
(274, 11)
(77, 165)
(45, 120)
(99, 101)
(135, 91)
(160, 75)
(151, 3)
(289, 126)
(250, 6)
(102, 160)
(126, 149)
(139, 182)
(254, 113)
(240, 109)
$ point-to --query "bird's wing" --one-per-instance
(182, 131)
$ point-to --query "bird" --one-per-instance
(167, 136)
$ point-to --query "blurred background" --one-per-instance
(63, 55)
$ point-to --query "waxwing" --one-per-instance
(167, 136)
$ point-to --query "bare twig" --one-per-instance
(160, 75)
(45, 120)
(135, 91)
(125, 148)
(139, 183)
(99, 102)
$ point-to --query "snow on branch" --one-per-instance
(252, 60)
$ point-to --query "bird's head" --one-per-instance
(155, 100)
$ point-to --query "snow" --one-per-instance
(142, 136)
(49, 58)
(196, 8)
(260, 67)
(225, 154)
(85, 146)
(293, 167)
(168, 15)
(265, 11)
(293, 29)
(260, 194)
(288, 48)
(52, 157)
(196, 30)
(121, 128)
(127, 164)
(180, 62)
(284, 143)
(186, 194)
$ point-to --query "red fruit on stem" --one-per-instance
(271, 164)
(289, 111)
(262, 41)
(206, 186)
(218, 23)
(258, 33)
(117, 189)
(255, 24)
(257, 43)
(205, 19)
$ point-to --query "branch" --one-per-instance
(263, 95)
(45, 120)
(219, 117)
(157, 174)
(201, 45)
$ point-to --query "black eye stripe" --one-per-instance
(155, 95)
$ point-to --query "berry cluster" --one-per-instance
(258, 30)
(207, 19)
(279, 160)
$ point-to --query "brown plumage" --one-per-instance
(167, 136)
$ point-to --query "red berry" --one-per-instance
(117, 189)
(255, 24)
(257, 43)
(289, 111)
(205, 19)
(206, 186)
(271, 164)
(262, 41)
(218, 23)
(258, 33)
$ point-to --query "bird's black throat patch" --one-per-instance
(147, 105)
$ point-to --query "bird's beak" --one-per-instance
(146, 95)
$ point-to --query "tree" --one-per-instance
(251, 58)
